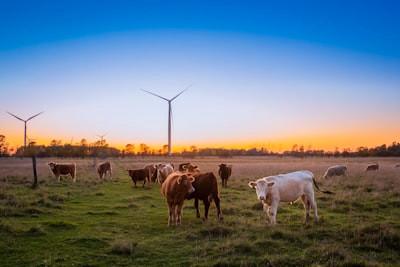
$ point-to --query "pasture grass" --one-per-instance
(112, 223)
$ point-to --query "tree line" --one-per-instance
(101, 148)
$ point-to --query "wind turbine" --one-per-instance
(169, 114)
(101, 138)
(25, 123)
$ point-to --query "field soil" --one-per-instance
(97, 222)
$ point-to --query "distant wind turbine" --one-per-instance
(169, 114)
(25, 123)
(101, 136)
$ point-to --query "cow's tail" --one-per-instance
(322, 191)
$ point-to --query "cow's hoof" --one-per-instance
(198, 215)
(221, 218)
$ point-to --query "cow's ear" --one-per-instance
(252, 184)
(271, 184)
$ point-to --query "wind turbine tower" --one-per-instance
(25, 123)
(169, 114)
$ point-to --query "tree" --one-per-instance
(129, 150)
(3, 146)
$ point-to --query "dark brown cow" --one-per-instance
(104, 168)
(225, 171)
(372, 167)
(63, 170)
(206, 189)
(139, 175)
(175, 189)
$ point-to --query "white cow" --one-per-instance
(337, 170)
(287, 188)
(163, 171)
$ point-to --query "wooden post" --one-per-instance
(35, 179)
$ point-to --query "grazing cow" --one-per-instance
(175, 189)
(152, 170)
(163, 171)
(397, 166)
(287, 188)
(372, 167)
(225, 171)
(337, 170)
(103, 169)
(206, 189)
(63, 170)
(139, 175)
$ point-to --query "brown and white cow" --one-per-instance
(63, 170)
(175, 189)
(163, 171)
(103, 169)
(372, 167)
(206, 190)
(152, 169)
(287, 187)
(139, 175)
(188, 167)
(225, 171)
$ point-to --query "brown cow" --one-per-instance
(152, 169)
(175, 189)
(63, 170)
(104, 168)
(372, 167)
(225, 171)
(206, 189)
(139, 175)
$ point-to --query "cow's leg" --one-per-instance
(58, 177)
(306, 204)
(217, 204)
(196, 206)
(272, 212)
(73, 177)
(313, 205)
(178, 215)
(206, 208)
(266, 209)
(171, 213)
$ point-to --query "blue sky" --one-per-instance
(270, 73)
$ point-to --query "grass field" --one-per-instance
(111, 223)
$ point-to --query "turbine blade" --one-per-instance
(34, 116)
(154, 94)
(172, 99)
(15, 116)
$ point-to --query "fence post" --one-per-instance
(35, 179)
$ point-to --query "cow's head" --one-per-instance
(51, 165)
(186, 181)
(222, 165)
(262, 188)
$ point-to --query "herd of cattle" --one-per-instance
(188, 182)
